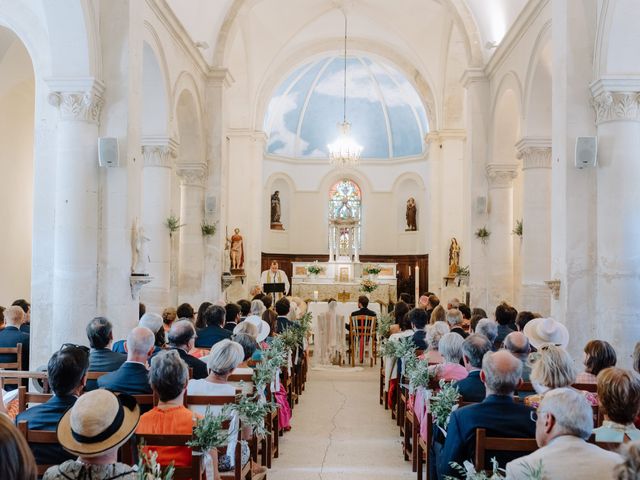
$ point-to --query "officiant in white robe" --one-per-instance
(275, 275)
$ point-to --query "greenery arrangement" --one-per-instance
(517, 230)
(418, 374)
(149, 468)
(173, 224)
(468, 472)
(483, 234)
(372, 270)
(273, 359)
(401, 348)
(209, 432)
(444, 402)
(383, 326)
(463, 271)
(387, 348)
(368, 286)
(314, 268)
(252, 410)
(208, 229)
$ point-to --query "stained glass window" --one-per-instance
(345, 201)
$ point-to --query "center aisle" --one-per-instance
(341, 432)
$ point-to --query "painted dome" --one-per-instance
(386, 114)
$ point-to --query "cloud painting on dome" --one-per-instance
(387, 116)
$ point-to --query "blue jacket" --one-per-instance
(499, 414)
(282, 324)
(103, 360)
(471, 388)
(200, 369)
(131, 378)
(118, 347)
(210, 335)
(419, 339)
(9, 338)
(46, 417)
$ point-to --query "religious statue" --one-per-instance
(236, 250)
(139, 257)
(454, 257)
(411, 215)
(275, 211)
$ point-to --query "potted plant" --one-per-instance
(372, 270)
(483, 234)
(314, 269)
(208, 229)
(173, 224)
(517, 230)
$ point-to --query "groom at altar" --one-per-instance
(275, 275)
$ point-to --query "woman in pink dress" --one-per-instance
(450, 348)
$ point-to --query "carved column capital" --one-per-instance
(535, 152)
(159, 151)
(77, 99)
(501, 175)
(616, 100)
(192, 174)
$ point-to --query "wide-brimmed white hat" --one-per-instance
(97, 422)
(546, 330)
(263, 327)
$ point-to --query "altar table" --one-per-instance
(343, 290)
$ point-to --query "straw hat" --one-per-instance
(546, 330)
(97, 422)
(263, 327)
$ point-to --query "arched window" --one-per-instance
(345, 201)
(345, 212)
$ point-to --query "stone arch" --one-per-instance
(155, 81)
(537, 93)
(617, 37)
(506, 115)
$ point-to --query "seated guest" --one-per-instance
(142, 309)
(518, 344)
(249, 347)
(450, 347)
(232, 316)
(224, 358)
(269, 315)
(169, 316)
(466, 316)
(200, 322)
(564, 421)
(629, 469)
(153, 322)
(93, 430)
(423, 302)
(101, 357)
(214, 332)
(498, 413)
(17, 459)
(473, 323)
(256, 310)
(438, 314)
(182, 337)
(67, 371)
(479, 311)
(454, 319)
(2, 309)
(454, 303)
(11, 336)
(553, 368)
(598, 355)
(523, 318)
(489, 329)
(541, 331)
(399, 314)
(434, 333)
(132, 377)
(474, 347)
(26, 308)
(619, 397)
(418, 319)
(505, 318)
(186, 312)
(282, 309)
(245, 307)
(363, 308)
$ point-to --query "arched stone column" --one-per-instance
(535, 154)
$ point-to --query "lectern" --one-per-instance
(272, 289)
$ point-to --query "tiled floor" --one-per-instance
(340, 431)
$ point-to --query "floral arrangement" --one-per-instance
(372, 270)
(483, 234)
(444, 403)
(383, 326)
(517, 230)
(418, 374)
(463, 271)
(209, 432)
(468, 472)
(401, 348)
(208, 229)
(290, 338)
(149, 468)
(368, 286)
(252, 411)
(173, 224)
(314, 268)
(387, 348)
(273, 359)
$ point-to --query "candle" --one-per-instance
(315, 295)
(417, 282)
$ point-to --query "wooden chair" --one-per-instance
(362, 333)
(95, 375)
(17, 365)
(43, 377)
(273, 427)
(193, 471)
(38, 436)
(25, 398)
(384, 400)
(486, 444)
(422, 449)
(587, 387)
(525, 387)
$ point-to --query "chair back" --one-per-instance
(587, 387)
(17, 365)
(95, 375)
(38, 436)
(526, 387)
(193, 471)
(25, 398)
(486, 444)
(241, 377)
(362, 325)
(213, 400)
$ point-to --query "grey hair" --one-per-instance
(248, 344)
(140, 340)
(14, 315)
(450, 347)
(168, 374)
(554, 367)
(257, 308)
(474, 347)
(454, 317)
(517, 343)
(630, 467)
(434, 333)
(488, 328)
(501, 379)
(181, 332)
(225, 356)
(571, 410)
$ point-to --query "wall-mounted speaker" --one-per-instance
(108, 155)
(586, 152)
(481, 205)
(210, 204)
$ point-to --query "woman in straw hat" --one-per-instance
(93, 429)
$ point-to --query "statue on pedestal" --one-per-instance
(275, 212)
(139, 256)
(411, 215)
(454, 258)
(236, 251)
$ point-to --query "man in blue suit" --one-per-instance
(101, 357)
(132, 377)
(473, 350)
(418, 318)
(153, 322)
(67, 369)
(11, 335)
(498, 413)
(282, 309)
(214, 317)
(182, 337)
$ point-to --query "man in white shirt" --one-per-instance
(274, 275)
(564, 422)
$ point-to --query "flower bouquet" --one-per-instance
(368, 286)
(314, 268)
(373, 270)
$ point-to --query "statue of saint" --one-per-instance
(236, 251)
(275, 207)
(454, 257)
(139, 257)
(411, 215)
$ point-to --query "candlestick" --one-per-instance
(416, 276)
(315, 295)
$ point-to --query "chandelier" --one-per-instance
(345, 151)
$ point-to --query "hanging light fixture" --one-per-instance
(345, 151)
